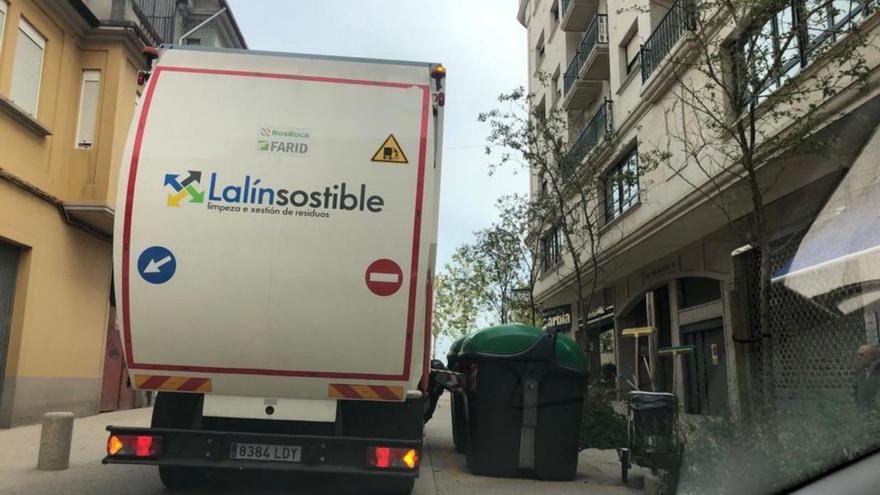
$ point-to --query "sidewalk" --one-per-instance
(443, 471)
(18, 464)
(598, 470)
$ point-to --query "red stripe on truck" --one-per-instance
(385, 392)
(192, 384)
(346, 391)
(154, 382)
(417, 232)
(417, 224)
(126, 228)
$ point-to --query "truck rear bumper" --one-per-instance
(211, 449)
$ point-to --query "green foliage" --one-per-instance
(485, 280)
(601, 427)
(457, 298)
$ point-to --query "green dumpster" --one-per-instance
(525, 393)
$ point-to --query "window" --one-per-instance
(632, 52)
(540, 111)
(622, 186)
(27, 69)
(539, 50)
(555, 89)
(3, 8)
(781, 46)
(695, 291)
(550, 249)
(827, 18)
(554, 12)
(88, 109)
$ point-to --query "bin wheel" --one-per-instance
(180, 478)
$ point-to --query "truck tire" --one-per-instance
(181, 478)
(177, 410)
(181, 411)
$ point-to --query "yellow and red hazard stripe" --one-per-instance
(175, 383)
(365, 392)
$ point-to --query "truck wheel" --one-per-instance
(177, 410)
(183, 411)
(180, 478)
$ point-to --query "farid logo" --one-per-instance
(188, 190)
(286, 141)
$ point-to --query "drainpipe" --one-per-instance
(200, 25)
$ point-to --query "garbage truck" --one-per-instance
(274, 246)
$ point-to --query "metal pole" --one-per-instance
(199, 26)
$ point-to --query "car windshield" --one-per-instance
(439, 247)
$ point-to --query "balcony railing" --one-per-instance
(571, 73)
(679, 19)
(592, 134)
(597, 33)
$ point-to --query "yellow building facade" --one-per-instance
(68, 90)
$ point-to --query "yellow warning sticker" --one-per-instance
(390, 152)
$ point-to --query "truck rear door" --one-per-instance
(269, 235)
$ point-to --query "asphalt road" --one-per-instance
(442, 470)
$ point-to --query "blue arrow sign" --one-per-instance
(157, 265)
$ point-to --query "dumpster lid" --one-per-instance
(513, 339)
(455, 348)
(640, 400)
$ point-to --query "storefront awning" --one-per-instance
(842, 247)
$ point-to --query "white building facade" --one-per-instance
(671, 259)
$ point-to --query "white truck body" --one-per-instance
(242, 267)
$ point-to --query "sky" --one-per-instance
(479, 41)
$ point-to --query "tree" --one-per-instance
(458, 297)
(736, 108)
(502, 252)
(564, 217)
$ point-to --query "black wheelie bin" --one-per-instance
(525, 392)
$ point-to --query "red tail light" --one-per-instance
(134, 446)
(392, 458)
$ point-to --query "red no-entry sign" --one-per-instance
(383, 277)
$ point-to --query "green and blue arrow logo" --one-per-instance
(185, 188)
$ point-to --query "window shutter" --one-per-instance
(88, 109)
(28, 68)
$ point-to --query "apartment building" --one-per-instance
(671, 259)
(193, 22)
(68, 90)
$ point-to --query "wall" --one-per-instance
(56, 349)
(61, 305)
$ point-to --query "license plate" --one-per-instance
(263, 452)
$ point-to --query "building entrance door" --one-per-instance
(705, 371)
(8, 271)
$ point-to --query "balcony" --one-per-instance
(677, 21)
(576, 14)
(593, 52)
(594, 133)
(589, 66)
